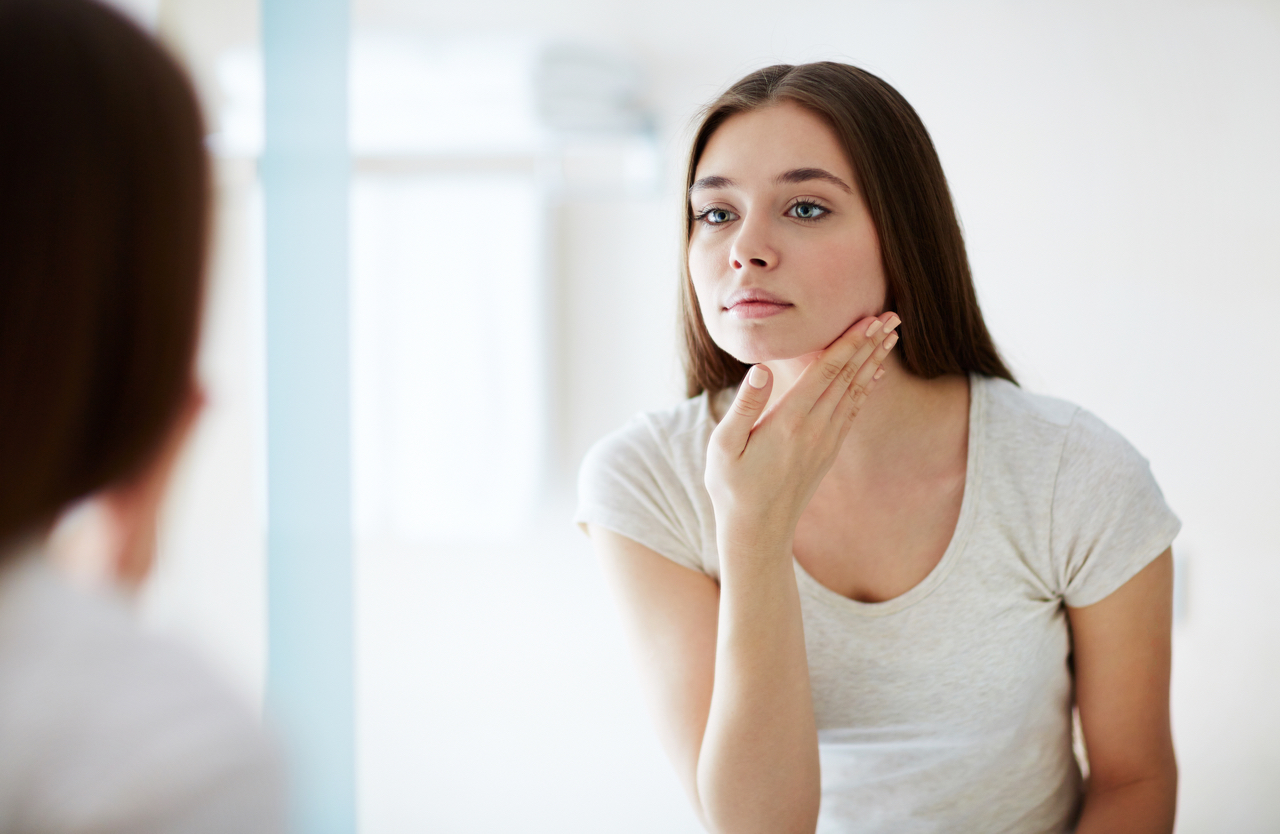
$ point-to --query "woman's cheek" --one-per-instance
(849, 285)
(832, 327)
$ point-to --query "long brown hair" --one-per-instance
(925, 266)
(104, 207)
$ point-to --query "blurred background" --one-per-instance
(514, 221)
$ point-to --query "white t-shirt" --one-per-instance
(947, 708)
(106, 730)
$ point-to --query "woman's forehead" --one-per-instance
(759, 145)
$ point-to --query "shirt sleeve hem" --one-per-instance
(1157, 544)
(622, 524)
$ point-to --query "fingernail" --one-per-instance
(879, 373)
(893, 322)
(875, 325)
(890, 340)
(757, 376)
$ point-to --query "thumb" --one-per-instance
(746, 409)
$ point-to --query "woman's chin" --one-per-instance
(754, 354)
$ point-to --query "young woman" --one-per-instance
(104, 209)
(867, 576)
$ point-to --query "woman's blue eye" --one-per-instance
(717, 216)
(808, 211)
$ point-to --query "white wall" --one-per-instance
(1115, 169)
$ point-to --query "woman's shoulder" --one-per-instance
(1022, 420)
(645, 480)
(1012, 404)
(674, 437)
(1085, 487)
(103, 720)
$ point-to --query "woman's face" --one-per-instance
(784, 256)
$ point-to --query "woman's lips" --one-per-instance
(756, 309)
(755, 303)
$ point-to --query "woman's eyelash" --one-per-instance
(702, 215)
(823, 211)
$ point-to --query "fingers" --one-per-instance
(825, 371)
(735, 428)
(865, 376)
(862, 365)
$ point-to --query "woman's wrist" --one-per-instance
(754, 543)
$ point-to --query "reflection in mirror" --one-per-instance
(865, 572)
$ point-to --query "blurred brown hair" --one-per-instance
(925, 265)
(104, 209)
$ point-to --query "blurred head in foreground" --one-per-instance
(104, 204)
(104, 214)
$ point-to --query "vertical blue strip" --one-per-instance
(305, 175)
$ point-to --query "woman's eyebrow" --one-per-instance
(711, 182)
(795, 175)
(798, 175)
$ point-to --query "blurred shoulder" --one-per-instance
(106, 725)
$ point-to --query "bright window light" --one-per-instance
(447, 394)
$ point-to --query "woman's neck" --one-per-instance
(906, 423)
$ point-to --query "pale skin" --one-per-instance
(855, 473)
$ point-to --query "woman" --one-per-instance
(104, 213)
(868, 587)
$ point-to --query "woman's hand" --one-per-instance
(763, 470)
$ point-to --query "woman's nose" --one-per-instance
(752, 247)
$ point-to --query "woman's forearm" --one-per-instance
(758, 763)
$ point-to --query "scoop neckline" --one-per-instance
(959, 537)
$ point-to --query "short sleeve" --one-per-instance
(1109, 518)
(629, 484)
